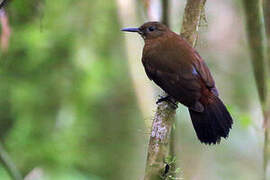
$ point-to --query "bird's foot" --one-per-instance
(168, 99)
(163, 98)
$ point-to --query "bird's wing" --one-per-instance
(181, 82)
(204, 72)
(178, 69)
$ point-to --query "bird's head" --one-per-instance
(149, 30)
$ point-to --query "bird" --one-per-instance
(177, 68)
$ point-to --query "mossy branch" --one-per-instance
(158, 148)
(193, 11)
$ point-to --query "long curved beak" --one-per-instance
(131, 29)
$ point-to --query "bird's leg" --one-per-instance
(169, 99)
(163, 98)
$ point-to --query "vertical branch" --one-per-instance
(267, 27)
(191, 20)
(158, 148)
(267, 102)
(165, 12)
(256, 35)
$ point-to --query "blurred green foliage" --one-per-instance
(64, 102)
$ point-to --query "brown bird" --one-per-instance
(180, 71)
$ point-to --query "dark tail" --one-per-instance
(213, 123)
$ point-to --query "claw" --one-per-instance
(162, 98)
(167, 99)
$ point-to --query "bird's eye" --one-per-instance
(151, 28)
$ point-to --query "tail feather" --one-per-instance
(213, 123)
